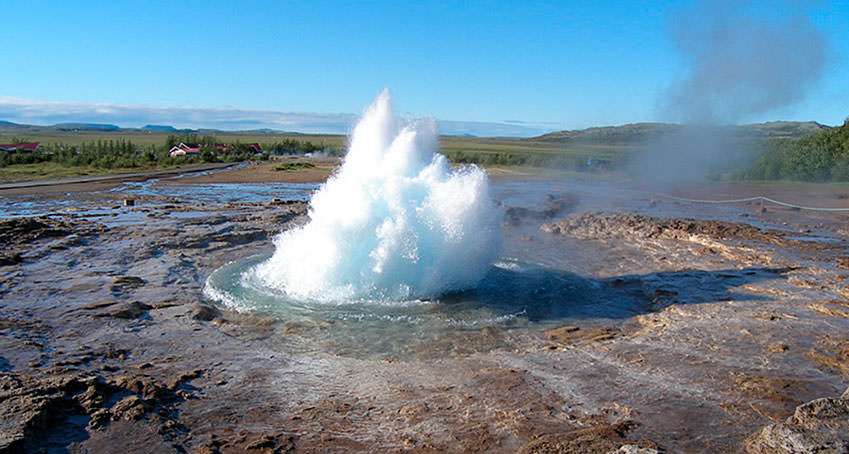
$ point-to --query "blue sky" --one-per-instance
(486, 68)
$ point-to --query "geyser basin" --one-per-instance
(398, 251)
(511, 295)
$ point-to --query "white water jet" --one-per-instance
(394, 223)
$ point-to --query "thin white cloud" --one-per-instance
(38, 112)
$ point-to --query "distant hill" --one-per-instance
(86, 126)
(788, 129)
(158, 128)
(636, 133)
(624, 134)
(264, 131)
(8, 125)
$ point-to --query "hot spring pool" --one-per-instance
(512, 296)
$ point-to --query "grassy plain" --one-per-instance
(490, 152)
(549, 150)
(448, 143)
(593, 148)
(50, 136)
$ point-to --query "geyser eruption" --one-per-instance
(394, 223)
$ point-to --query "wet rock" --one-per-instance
(26, 230)
(130, 408)
(636, 449)
(98, 305)
(604, 439)
(827, 416)
(820, 426)
(577, 334)
(196, 243)
(831, 308)
(271, 444)
(99, 419)
(143, 385)
(110, 351)
(842, 262)
(152, 388)
(10, 259)
(31, 409)
(121, 284)
(236, 238)
(205, 312)
(791, 439)
(604, 225)
(556, 205)
(127, 311)
(832, 354)
(250, 443)
(777, 348)
(96, 394)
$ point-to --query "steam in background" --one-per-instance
(744, 59)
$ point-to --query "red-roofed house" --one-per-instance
(19, 146)
(184, 150)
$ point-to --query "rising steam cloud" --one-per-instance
(744, 59)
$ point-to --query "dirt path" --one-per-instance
(100, 182)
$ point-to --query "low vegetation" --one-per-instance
(293, 166)
(823, 156)
(59, 159)
(804, 151)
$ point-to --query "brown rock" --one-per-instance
(142, 385)
(826, 415)
(636, 449)
(578, 334)
(604, 225)
(820, 426)
(130, 310)
(785, 438)
(10, 259)
(205, 312)
(97, 305)
(130, 408)
(121, 284)
(26, 230)
(604, 439)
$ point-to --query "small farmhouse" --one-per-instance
(184, 150)
(19, 147)
(193, 149)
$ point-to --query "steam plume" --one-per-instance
(743, 61)
(741, 65)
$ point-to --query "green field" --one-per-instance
(448, 143)
(604, 148)
(489, 152)
(530, 152)
(51, 136)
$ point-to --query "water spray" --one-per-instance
(395, 223)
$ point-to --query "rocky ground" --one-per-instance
(732, 338)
